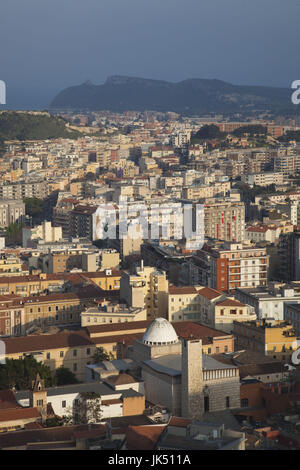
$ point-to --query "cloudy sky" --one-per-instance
(47, 45)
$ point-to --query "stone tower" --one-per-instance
(38, 396)
(192, 397)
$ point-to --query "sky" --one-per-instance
(48, 45)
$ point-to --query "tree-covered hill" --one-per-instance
(28, 126)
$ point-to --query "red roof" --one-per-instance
(179, 422)
(210, 293)
(14, 414)
(143, 437)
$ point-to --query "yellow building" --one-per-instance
(106, 280)
(210, 307)
(274, 338)
(147, 288)
(109, 312)
(12, 265)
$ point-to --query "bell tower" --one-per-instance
(38, 396)
(192, 397)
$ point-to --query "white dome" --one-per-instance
(160, 331)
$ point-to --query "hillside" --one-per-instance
(33, 126)
(186, 97)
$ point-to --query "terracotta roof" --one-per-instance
(90, 434)
(121, 379)
(8, 400)
(131, 325)
(230, 302)
(14, 414)
(125, 339)
(210, 293)
(115, 401)
(61, 433)
(258, 229)
(187, 330)
(33, 426)
(182, 290)
(143, 437)
(179, 422)
(37, 343)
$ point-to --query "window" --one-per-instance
(75, 352)
(48, 355)
(244, 402)
(64, 404)
(217, 349)
(61, 354)
(40, 402)
(227, 402)
(88, 351)
(225, 348)
(75, 367)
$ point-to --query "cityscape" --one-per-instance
(150, 266)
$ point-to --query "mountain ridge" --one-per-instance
(193, 95)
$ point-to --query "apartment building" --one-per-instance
(12, 265)
(44, 232)
(27, 286)
(262, 232)
(62, 215)
(225, 221)
(289, 255)
(201, 192)
(111, 312)
(263, 179)
(229, 266)
(145, 288)
(82, 221)
(21, 190)
(210, 307)
(274, 338)
(270, 302)
(11, 212)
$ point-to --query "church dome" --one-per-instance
(160, 332)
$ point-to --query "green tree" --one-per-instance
(33, 206)
(14, 232)
(209, 132)
(102, 355)
(19, 373)
(64, 376)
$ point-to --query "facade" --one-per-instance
(230, 266)
(44, 232)
(289, 254)
(263, 179)
(269, 302)
(88, 402)
(147, 288)
(274, 338)
(11, 212)
(109, 312)
(225, 221)
(175, 376)
(210, 307)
